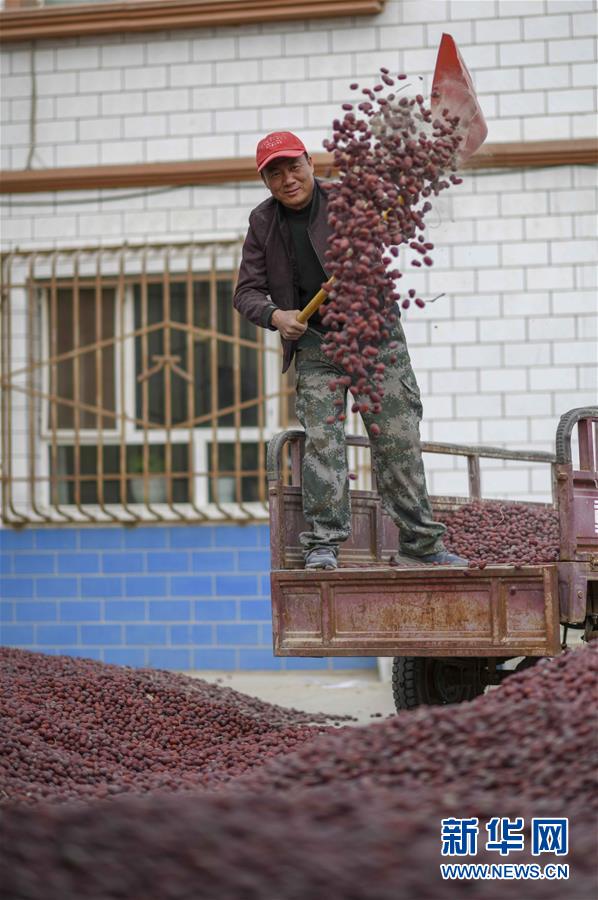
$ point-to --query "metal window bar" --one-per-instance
(75, 437)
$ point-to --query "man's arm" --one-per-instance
(252, 295)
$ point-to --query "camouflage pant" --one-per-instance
(396, 453)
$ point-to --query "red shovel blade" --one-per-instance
(452, 89)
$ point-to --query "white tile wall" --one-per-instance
(511, 345)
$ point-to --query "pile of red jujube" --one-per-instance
(391, 156)
(358, 844)
(348, 815)
(494, 532)
(532, 738)
(75, 728)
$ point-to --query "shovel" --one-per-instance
(452, 89)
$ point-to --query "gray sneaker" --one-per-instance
(321, 558)
(442, 558)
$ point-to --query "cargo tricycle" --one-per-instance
(451, 631)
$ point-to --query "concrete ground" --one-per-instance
(365, 694)
(359, 693)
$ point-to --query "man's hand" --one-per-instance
(285, 321)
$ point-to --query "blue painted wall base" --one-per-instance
(171, 597)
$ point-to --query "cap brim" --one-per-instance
(281, 154)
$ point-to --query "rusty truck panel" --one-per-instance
(577, 500)
(499, 611)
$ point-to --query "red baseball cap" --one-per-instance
(277, 144)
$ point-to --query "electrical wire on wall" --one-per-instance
(32, 154)
(6, 201)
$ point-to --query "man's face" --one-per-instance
(291, 181)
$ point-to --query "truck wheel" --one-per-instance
(433, 681)
(526, 663)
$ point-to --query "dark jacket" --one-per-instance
(268, 277)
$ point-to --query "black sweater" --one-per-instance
(308, 269)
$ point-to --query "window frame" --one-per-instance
(197, 438)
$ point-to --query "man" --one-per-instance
(281, 269)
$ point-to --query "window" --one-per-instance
(133, 390)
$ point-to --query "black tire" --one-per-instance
(527, 663)
(434, 681)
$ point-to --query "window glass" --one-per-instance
(76, 477)
(224, 485)
(173, 388)
(81, 346)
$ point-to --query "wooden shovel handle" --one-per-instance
(315, 303)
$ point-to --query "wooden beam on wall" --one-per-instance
(26, 24)
(534, 154)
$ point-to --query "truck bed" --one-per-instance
(368, 607)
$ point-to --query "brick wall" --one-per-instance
(511, 345)
(167, 597)
(213, 92)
